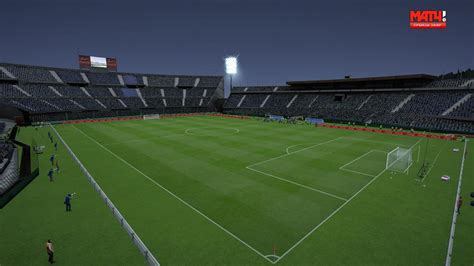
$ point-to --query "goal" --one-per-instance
(148, 117)
(399, 160)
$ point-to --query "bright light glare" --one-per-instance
(231, 65)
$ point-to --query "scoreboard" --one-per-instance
(95, 62)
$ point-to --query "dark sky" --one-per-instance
(276, 40)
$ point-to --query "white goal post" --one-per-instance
(399, 160)
(149, 117)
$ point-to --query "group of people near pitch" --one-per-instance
(54, 161)
(67, 199)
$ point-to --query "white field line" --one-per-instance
(331, 215)
(356, 172)
(286, 154)
(408, 168)
(144, 139)
(188, 131)
(296, 145)
(360, 139)
(455, 213)
(360, 157)
(297, 184)
(273, 256)
(336, 211)
(356, 159)
(418, 156)
(175, 196)
(434, 162)
(165, 136)
(380, 142)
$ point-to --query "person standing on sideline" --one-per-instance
(50, 174)
(67, 201)
(51, 159)
(459, 204)
(57, 165)
(50, 251)
(56, 146)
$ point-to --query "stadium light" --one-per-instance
(231, 65)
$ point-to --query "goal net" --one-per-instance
(399, 160)
(148, 117)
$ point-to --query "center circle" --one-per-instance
(211, 131)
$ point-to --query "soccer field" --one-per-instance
(212, 190)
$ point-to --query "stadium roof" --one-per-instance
(383, 81)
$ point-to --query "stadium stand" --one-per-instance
(440, 105)
(132, 79)
(31, 74)
(196, 92)
(60, 94)
(186, 82)
(446, 83)
(173, 92)
(103, 78)
(6, 151)
(465, 110)
(211, 82)
(71, 92)
(161, 81)
(70, 76)
(412, 101)
(7, 90)
(9, 173)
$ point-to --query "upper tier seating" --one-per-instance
(161, 81)
(444, 83)
(103, 78)
(31, 74)
(209, 81)
(69, 76)
(186, 81)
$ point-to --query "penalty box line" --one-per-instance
(356, 159)
(250, 167)
(297, 184)
(175, 196)
(291, 153)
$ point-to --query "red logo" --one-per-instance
(428, 19)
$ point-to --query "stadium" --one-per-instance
(100, 166)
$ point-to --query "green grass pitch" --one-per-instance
(207, 190)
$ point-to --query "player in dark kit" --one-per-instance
(67, 201)
(50, 174)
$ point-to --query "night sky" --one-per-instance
(276, 40)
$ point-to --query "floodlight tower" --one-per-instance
(231, 68)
